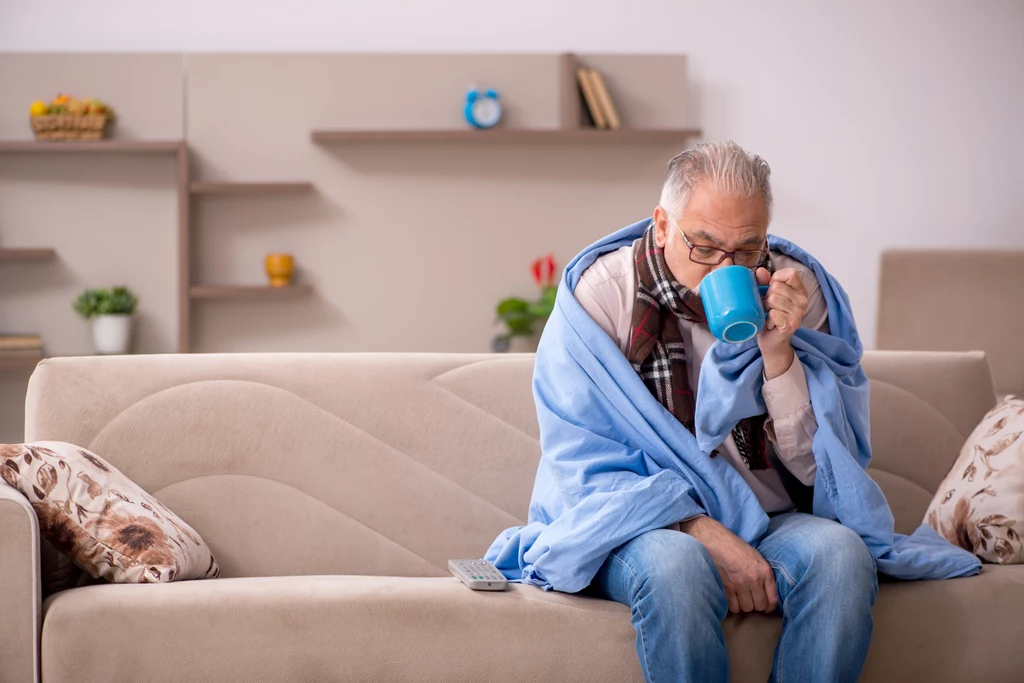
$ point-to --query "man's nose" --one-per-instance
(727, 261)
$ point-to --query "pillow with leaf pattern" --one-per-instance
(980, 504)
(102, 520)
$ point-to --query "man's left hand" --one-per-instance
(786, 303)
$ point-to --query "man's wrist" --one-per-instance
(693, 524)
(778, 362)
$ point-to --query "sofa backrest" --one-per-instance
(394, 463)
(956, 300)
(924, 405)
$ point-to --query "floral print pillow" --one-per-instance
(102, 520)
(980, 504)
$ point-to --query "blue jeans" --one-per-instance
(826, 581)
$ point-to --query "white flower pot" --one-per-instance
(520, 344)
(112, 334)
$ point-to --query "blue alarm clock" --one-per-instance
(483, 110)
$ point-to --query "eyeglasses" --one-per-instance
(712, 256)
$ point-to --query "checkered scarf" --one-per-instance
(657, 351)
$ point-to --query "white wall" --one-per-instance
(886, 123)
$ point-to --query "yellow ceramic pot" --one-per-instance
(280, 268)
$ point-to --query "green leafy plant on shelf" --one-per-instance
(524, 318)
(93, 303)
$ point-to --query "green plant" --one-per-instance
(521, 316)
(116, 301)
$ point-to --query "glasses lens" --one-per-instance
(747, 259)
(707, 256)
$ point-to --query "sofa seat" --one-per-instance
(332, 628)
(366, 628)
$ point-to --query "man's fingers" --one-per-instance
(760, 599)
(762, 276)
(777, 319)
(790, 277)
(746, 600)
(784, 302)
(734, 603)
(784, 291)
(771, 593)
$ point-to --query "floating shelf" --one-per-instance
(20, 363)
(566, 135)
(205, 187)
(27, 254)
(247, 292)
(93, 146)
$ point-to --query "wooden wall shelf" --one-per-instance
(19, 363)
(27, 254)
(95, 146)
(247, 291)
(218, 187)
(506, 135)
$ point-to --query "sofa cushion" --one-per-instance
(980, 504)
(102, 520)
(361, 628)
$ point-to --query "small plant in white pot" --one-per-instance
(111, 312)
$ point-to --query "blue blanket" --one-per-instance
(616, 464)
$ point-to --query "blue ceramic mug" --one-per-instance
(732, 303)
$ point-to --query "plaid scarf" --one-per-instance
(656, 348)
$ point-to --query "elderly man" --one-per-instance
(751, 497)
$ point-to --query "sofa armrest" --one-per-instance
(19, 588)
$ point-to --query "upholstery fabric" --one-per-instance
(20, 593)
(916, 295)
(397, 629)
(980, 503)
(102, 520)
(386, 466)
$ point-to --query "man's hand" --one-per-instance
(749, 581)
(787, 305)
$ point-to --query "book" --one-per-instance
(604, 100)
(590, 97)
(20, 341)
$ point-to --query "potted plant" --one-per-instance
(525, 319)
(110, 311)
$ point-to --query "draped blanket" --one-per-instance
(616, 464)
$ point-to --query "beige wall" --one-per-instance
(111, 218)
(408, 247)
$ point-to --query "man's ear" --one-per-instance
(661, 226)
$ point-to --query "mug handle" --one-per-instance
(762, 290)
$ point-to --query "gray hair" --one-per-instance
(723, 163)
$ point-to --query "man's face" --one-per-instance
(711, 219)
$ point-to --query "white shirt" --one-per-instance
(607, 291)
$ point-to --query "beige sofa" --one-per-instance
(956, 300)
(334, 488)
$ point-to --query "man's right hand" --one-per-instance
(749, 581)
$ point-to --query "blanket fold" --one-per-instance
(615, 463)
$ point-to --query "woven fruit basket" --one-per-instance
(70, 126)
(67, 118)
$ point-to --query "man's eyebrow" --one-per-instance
(707, 236)
(753, 241)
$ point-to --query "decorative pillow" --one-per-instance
(102, 520)
(980, 504)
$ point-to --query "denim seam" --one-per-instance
(643, 640)
(782, 570)
(787, 625)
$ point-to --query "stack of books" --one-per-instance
(20, 346)
(599, 110)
